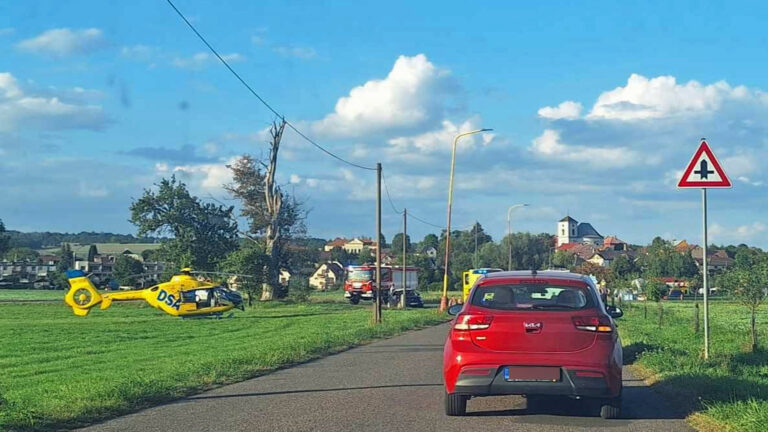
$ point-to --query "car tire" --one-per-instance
(354, 300)
(611, 409)
(455, 404)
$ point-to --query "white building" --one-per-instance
(569, 230)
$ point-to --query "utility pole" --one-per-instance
(474, 261)
(377, 304)
(403, 301)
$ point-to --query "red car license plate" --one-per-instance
(532, 373)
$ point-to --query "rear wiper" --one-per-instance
(547, 306)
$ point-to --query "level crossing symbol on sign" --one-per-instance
(704, 171)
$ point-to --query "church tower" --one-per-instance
(566, 231)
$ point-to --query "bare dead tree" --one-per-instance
(273, 216)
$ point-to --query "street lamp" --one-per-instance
(444, 298)
(509, 231)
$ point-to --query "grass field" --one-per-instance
(27, 294)
(727, 392)
(61, 371)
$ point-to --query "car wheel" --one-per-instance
(611, 409)
(354, 300)
(455, 404)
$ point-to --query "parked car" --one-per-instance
(712, 291)
(537, 334)
(675, 294)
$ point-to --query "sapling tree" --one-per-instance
(748, 286)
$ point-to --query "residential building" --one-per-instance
(613, 242)
(569, 230)
(100, 269)
(327, 275)
(604, 257)
(353, 246)
(338, 242)
(717, 260)
(356, 245)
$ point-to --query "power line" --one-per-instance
(394, 208)
(389, 198)
(424, 222)
(264, 102)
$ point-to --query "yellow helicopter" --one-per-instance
(183, 296)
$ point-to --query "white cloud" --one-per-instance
(549, 146)
(440, 140)
(568, 110)
(739, 165)
(18, 110)
(295, 179)
(258, 40)
(203, 59)
(738, 234)
(305, 53)
(140, 53)
(64, 42)
(200, 177)
(92, 190)
(662, 97)
(413, 95)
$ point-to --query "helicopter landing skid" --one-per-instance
(215, 315)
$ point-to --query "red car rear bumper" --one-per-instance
(476, 372)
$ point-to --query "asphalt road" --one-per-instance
(392, 385)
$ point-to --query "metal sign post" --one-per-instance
(704, 171)
(706, 272)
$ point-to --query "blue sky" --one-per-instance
(596, 107)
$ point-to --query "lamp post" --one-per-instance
(509, 231)
(444, 298)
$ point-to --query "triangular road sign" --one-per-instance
(704, 171)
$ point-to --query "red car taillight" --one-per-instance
(466, 322)
(599, 324)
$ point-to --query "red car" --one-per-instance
(533, 334)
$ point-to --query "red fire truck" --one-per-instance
(360, 284)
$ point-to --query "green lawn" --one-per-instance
(61, 371)
(730, 390)
(30, 294)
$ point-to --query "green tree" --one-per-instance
(149, 255)
(92, 252)
(21, 254)
(202, 233)
(248, 261)
(430, 240)
(365, 256)
(340, 255)
(622, 267)
(4, 239)
(563, 259)
(397, 243)
(655, 290)
(66, 259)
(126, 270)
(748, 286)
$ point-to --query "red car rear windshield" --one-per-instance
(532, 297)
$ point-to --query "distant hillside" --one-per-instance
(45, 240)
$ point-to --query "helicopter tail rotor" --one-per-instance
(82, 295)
